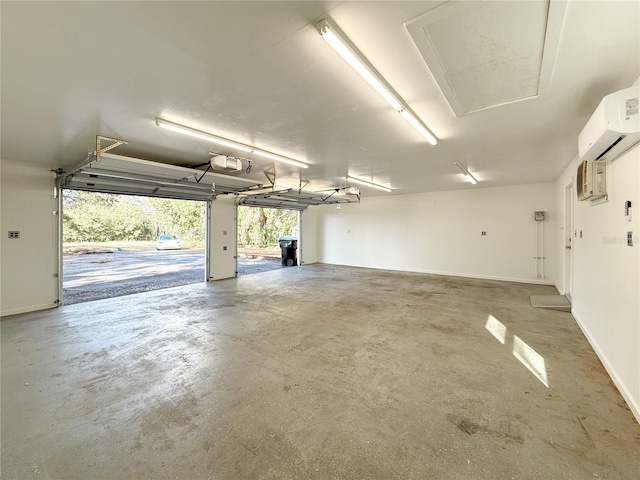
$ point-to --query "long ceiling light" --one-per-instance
(466, 173)
(354, 58)
(192, 132)
(368, 184)
(279, 158)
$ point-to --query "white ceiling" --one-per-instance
(260, 73)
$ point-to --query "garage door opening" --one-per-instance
(259, 233)
(116, 245)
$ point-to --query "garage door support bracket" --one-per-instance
(100, 139)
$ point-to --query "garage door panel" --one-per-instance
(111, 173)
(130, 186)
(292, 199)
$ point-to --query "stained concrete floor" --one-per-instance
(317, 372)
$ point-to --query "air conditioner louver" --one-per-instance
(613, 128)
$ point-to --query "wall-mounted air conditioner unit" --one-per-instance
(591, 180)
(613, 128)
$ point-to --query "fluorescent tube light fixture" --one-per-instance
(466, 173)
(417, 124)
(174, 127)
(209, 137)
(279, 158)
(368, 184)
(355, 59)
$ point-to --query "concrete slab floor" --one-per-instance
(318, 372)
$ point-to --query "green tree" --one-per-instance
(262, 227)
(100, 217)
(182, 218)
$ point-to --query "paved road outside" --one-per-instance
(94, 276)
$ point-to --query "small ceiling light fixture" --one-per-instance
(357, 61)
(466, 173)
(368, 184)
(209, 137)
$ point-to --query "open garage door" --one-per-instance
(109, 173)
(294, 199)
(117, 174)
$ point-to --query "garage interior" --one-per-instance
(405, 345)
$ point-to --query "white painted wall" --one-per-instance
(222, 238)
(27, 280)
(606, 287)
(440, 232)
(309, 236)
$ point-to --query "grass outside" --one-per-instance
(271, 252)
(70, 248)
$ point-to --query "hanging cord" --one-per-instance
(324, 199)
(203, 174)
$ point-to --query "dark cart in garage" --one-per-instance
(288, 247)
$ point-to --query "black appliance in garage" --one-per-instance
(288, 247)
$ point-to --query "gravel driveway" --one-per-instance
(94, 276)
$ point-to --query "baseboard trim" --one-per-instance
(454, 274)
(635, 409)
(487, 277)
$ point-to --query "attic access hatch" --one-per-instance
(109, 173)
(487, 54)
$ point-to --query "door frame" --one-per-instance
(58, 195)
(567, 241)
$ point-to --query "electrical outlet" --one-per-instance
(484, 234)
(629, 239)
(14, 234)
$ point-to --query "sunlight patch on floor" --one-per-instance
(496, 328)
(530, 359)
(521, 350)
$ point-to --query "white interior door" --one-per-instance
(222, 238)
